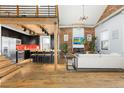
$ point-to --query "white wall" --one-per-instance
(115, 23)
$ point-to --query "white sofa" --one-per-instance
(99, 61)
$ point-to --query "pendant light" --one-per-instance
(83, 18)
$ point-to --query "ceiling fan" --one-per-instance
(83, 18)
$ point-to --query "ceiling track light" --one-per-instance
(24, 29)
(33, 33)
(43, 29)
(36, 34)
(29, 31)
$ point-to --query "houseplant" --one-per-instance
(64, 48)
(90, 45)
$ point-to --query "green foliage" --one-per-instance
(90, 44)
(64, 48)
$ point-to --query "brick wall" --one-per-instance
(109, 10)
(89, 31)
(69, 32)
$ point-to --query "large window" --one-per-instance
(45, 43)
(105, 40)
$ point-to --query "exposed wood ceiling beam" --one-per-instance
(15, 28)
(26, 28)
(28, 20)
(110, 16)
(43, 29)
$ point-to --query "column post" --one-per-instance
(0, 41)
(17, 10)
(55, 46)
(37, 11)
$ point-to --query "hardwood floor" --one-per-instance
(43, 76)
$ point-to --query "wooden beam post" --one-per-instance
(56, 46)
(28, 20)
(17, 10)
(37, 10)
(56, 10)
(48, 10)
(0, 41)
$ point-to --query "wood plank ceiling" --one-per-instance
(35, 28)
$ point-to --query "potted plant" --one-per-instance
(64, 48)
(90, 45)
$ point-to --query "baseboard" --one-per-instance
(100, 69)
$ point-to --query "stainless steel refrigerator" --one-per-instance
(9, 48)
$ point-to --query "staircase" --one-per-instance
(6, 66)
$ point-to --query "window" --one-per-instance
(45, 43)
(105, 40)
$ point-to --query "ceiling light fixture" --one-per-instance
(24, 29)
(83, 18)
(44, 30)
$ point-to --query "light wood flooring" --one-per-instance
(44, 76)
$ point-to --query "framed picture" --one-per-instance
(104, 45)
(115, 34)
(78, 40)
(89, 37)
(65, 37)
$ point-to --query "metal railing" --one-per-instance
(28, 11)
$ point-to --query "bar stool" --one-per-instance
(38, 57)
(48, 57)
(41, 57)
(33, 56)
(52, 57)
(36, 54)
(40, 54)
